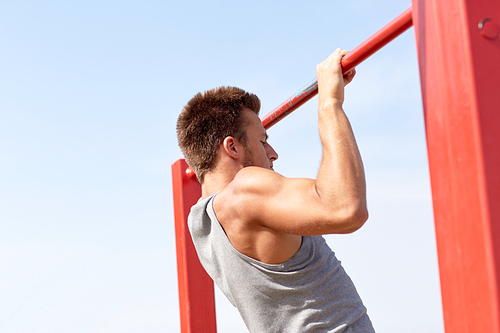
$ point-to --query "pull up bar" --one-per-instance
(374, 43)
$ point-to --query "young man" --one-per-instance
(257, 233)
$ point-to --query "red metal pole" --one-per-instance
(378, 40)
(458, 44)
(196, 288)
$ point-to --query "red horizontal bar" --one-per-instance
(374, 43)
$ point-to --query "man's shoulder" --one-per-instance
(246, 193)
(251, 179)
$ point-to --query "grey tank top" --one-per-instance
(309, 292)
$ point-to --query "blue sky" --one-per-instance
(89, 96)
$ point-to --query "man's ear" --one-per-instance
(231, 147)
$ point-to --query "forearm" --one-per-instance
(341, 181)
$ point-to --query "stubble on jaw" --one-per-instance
(248, 160)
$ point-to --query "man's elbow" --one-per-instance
(354, 218)
(360, 216)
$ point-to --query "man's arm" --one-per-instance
(333, 203)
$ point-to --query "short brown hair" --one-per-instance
(207, 119)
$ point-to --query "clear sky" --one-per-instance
(90, 92)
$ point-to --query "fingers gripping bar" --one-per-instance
(374, 43)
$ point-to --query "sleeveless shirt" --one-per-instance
(310, 292)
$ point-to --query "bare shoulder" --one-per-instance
(251, 186)
(261, 196)
(255, 179)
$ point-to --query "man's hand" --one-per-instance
(331, 82)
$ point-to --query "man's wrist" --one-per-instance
(330, 104)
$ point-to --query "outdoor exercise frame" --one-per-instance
(458, 45)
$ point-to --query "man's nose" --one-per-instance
(271, 153)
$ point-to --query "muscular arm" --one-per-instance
(335, 202)
(340, 183)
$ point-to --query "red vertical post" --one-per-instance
(196, 288)
(458, 44)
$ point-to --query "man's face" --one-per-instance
(257, 151)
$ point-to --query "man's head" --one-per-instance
(208, 119)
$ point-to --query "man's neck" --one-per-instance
(214, 182)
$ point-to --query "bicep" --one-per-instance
(293, 207)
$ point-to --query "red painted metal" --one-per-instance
(460, 76)
(196, 288)
(374, 43)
